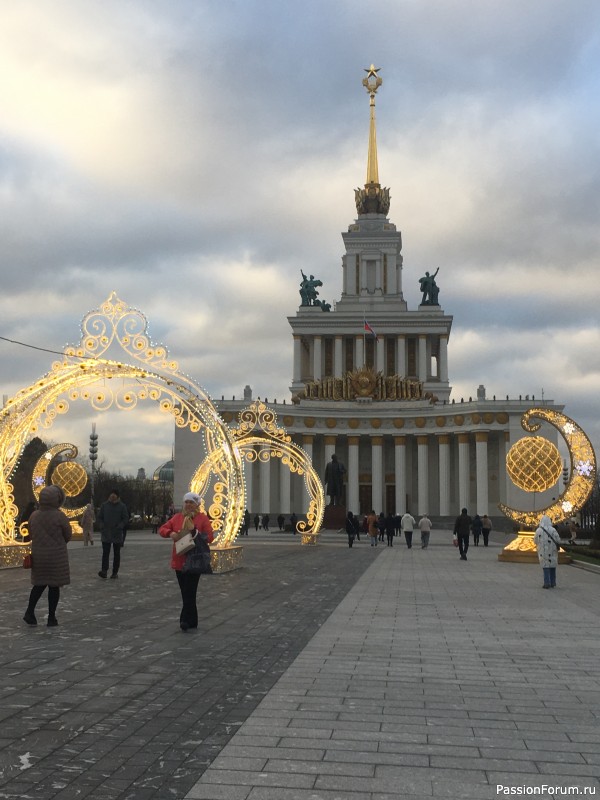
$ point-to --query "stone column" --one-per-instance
(481, 460)
(352, 497)
(359, 352)
(507, 481)
(422, 357)
(338, 358)
(400, 472)
(401, 356)
(297, 358)
(422, 475)
(285, 488)
(463, 471)
(444, 465)
(265, 487)
(443, 365)
(377, 473)
(317, 358)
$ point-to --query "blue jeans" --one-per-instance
(549, 576)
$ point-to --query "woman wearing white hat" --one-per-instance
(190, 520)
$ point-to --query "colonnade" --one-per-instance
(315, 370)
(433, 473)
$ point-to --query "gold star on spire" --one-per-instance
(372, 71)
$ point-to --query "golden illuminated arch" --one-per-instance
(83, 374)
(259, 438)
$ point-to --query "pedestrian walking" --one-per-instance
(113, 518)
(256, 522)
(547, 542)
(425, 528)
(462, 528)
(390, 529)
(293, 523)
(265, 522)
(50, 530)
(190, 520)
(246, 523)
(476, 529)
(408, 525)
(486, 527)
(87, 524)
(281, 522)
(351, 528)
(381, 526)
(372, 528)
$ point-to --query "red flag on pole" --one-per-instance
(370, 330)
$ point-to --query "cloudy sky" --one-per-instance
(194, 156)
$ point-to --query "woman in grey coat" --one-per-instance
(50, 530)
(547, 542)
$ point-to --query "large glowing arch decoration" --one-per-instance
(83, 374)
(258, 437)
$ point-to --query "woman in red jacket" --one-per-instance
(189, 520)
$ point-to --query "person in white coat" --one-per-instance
(408, 525)
(547, 542)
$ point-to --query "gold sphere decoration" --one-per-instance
(534, 464)
(71, 477)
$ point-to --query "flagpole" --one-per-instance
(364, 340)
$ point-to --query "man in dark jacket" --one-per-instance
(462, 528)
(113, 519)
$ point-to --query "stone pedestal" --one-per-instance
(522, 550)
(226, 559)
(334, 518)
(12, 555)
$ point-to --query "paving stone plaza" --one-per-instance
(322, 673)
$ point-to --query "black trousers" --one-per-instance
(106, 556)
(463, 543)
(408, 537)
(188, 584)
(53, 598)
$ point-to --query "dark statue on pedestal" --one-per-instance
(430, 289)
(309, 294)
(334, 480)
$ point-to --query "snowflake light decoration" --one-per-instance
(584, 468)
(567, 507)
(569, 428)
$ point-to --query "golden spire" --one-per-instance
(373, 199)
(371, 83)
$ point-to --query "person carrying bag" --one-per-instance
(189, 530)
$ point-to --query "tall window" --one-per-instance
(390, 355)
(349, 346)
(411, 364)
(328, 356)
(371, 268)
(385, 274)
(357, 274)
(370, 352)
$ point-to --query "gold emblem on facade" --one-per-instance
(364, 383)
